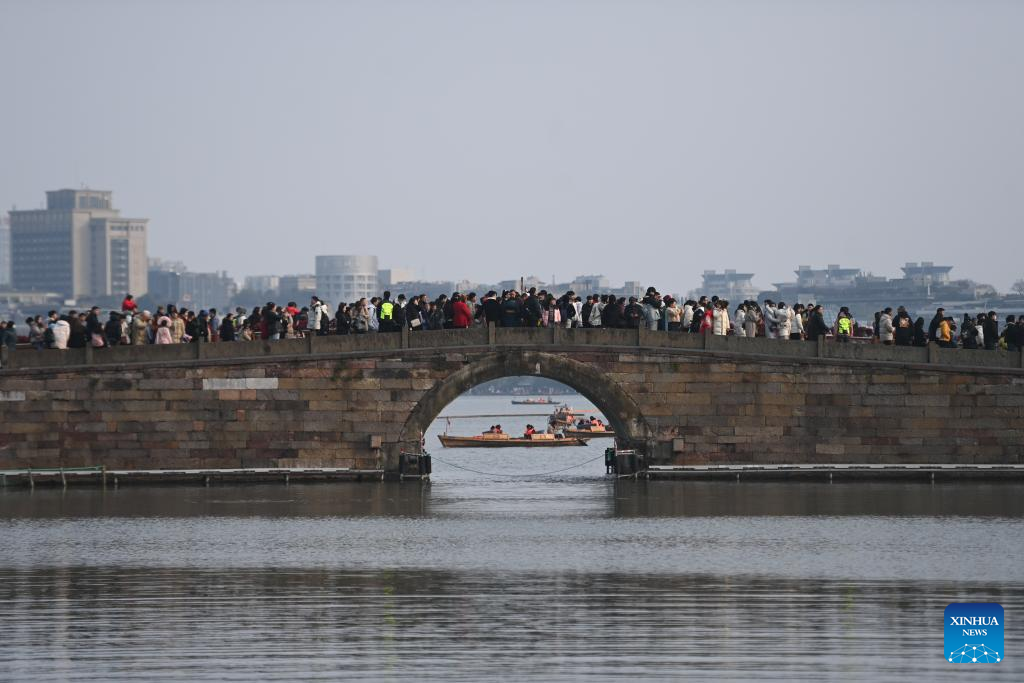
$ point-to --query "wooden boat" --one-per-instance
(506, 441)
(533, 402)
(588, 433)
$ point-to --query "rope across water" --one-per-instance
(504, 474)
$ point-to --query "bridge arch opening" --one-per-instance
(621, 412)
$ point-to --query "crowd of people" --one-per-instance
(776, 320)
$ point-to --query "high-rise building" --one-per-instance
(78, 246)
(173, 283)
(389, 276)
(5, 253)
(344, 279)
(261, 283)
(297, 288)
(729, 285)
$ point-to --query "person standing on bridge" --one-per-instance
(386, 314)
(317, 310)
(740, 319)
(651, 305)
(140, 328)
(596, 315)
(491, 308)
(904, 333)
(61, 331)
(1012, 333)
(816, 326)
(720, 319)
(462, 317)
(991, 331)
(511, 310)
(371, 314)
(933, 326)
(163, 331)
(844, 325)
(177, 327)
(886, 330)
(673, 315)
(343, 319)
(783, 321)
(796, 332)
(361, 317)
(227, 328)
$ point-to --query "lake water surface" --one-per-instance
(484, 575)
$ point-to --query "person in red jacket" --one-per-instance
(461, 315)
(129, 305)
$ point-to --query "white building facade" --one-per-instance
(346, 278)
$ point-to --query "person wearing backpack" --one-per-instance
(651, 307)
(844, 325)
(386, 314)
(903, 335)
(532, 309)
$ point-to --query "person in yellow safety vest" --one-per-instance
(386, 314)
(844, 325)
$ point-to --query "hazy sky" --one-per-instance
(487, 140)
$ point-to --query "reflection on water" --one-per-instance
(479, 577)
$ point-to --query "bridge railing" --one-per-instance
(505, 337)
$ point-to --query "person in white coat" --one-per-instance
(688, 315)
(783, 321)
(741, 318)
(796, 330)
(61, 332)
(886, 330)
(720, 319)
(771, 322)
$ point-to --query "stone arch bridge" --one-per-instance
(358, 401)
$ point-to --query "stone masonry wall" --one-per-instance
(682, 405)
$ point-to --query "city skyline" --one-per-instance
(661, 138)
